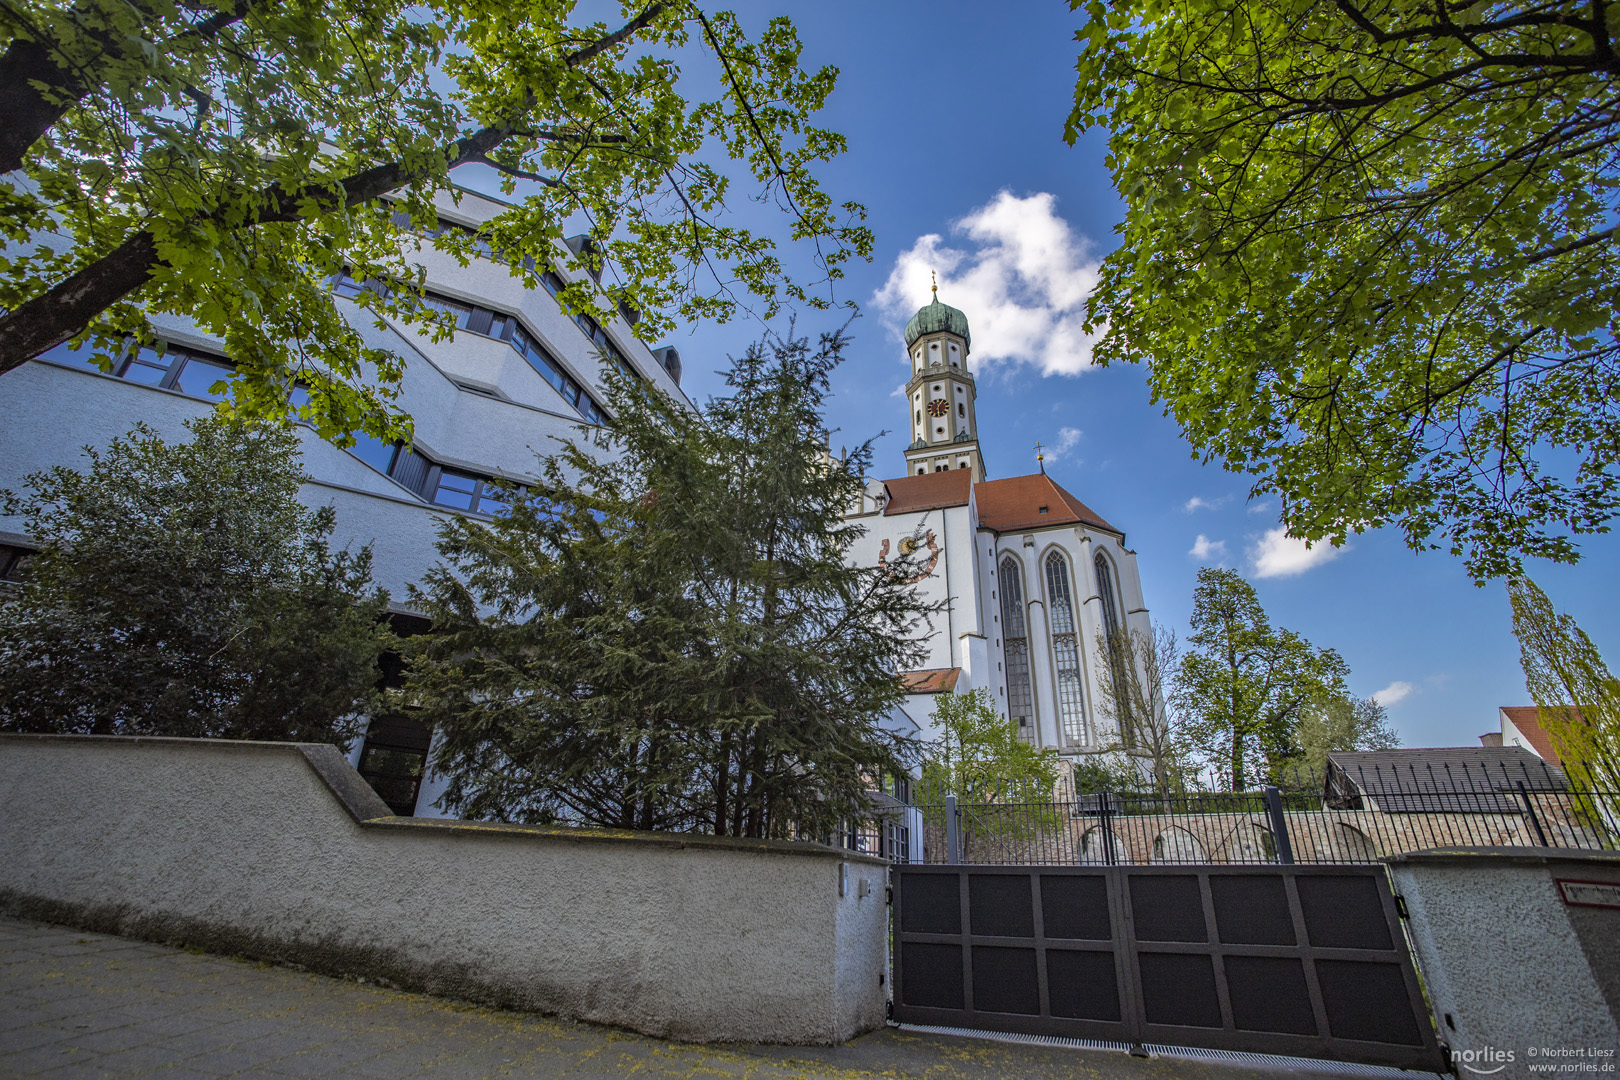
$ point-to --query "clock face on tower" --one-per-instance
(938, 407)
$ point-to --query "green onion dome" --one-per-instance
(934, 318)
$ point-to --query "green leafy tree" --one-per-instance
(1245, 684)
(182, 589)
(1368, 252)
(980, 758)
(1577, 696)
(668, 633)
(1337, 724)
(222, 160)
(1136, 690)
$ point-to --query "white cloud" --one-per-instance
(1067, 439)
(1279, 555)
(1206, 550)
(1392, 693)
(1022, 277)
(1260, 507)
(1198, 502)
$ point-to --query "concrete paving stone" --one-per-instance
(40, 1058)
(204, 1018)
(17, 1040)
(109, 1040)
(137, 1060)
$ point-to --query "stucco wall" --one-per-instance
(1522, 984)
(280, 851)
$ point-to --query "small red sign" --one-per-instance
(1604, 894)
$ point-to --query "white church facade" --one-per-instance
(1033, 580)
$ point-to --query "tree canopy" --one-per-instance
(1577, 696)
(1137, 690)
(1369, 254)
(223, 160)
(979, 756)
(1245, 685)
(668, 632)
(182, 589)
(1340, 723)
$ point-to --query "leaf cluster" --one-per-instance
(1245, 685)
(979, 756)
(182, 589)
(223, 160)
(1369, 254)
(1577, 696)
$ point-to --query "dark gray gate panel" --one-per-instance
(1308, 961)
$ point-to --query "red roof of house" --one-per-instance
(930, 680)
(929, 491)
(1527, 718)
(1022, 502)
(1018, 502)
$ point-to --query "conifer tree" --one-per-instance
(667, 632)
(182, 589)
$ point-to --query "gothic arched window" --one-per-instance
(1105, 589)
(1117, 658)
(1020, 695)
(1065, 651)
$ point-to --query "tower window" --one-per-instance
(961, 410)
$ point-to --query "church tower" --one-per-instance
(944, 428)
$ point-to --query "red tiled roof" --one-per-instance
(1016, 502)
(1527, 718)
(930, 680)
(1004, 505)
(930, 491)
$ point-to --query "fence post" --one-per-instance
(953, 838)
(1105, 818)
(1279, 826)
(1530, 808)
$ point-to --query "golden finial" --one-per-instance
(935, 278)
(1040, 457)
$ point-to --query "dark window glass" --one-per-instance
(197, 378)
(65, 353)
(148, 367)
(456, 490)
(374, 452)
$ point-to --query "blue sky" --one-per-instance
(954, 113)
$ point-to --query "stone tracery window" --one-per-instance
(1066, 652)
(1105, 589)
(1020, 694)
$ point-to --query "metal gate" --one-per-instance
(1308, 961)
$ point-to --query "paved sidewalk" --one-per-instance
(87, 1005)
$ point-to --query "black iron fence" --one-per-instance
(1347, 819)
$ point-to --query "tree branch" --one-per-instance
(63, 311)
(37, 88)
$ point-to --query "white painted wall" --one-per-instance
(280, 851)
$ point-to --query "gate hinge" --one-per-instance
(888, 1010)
(1400, 907)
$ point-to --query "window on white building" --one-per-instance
(1020, 694)
(1065, 651)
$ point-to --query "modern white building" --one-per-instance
(517, 376)
(1032, 577)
